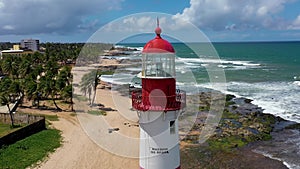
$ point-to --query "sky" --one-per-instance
(219, 20)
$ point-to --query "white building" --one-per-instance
(32, 44)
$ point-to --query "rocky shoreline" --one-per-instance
(119, 51)
(243, 129)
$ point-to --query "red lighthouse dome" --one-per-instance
(158, 44)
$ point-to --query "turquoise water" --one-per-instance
(272, 61)
(268, 61)
(267, 72)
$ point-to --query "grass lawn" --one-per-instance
(51, 117)
(97, 112)
(30, 150)
(80, 97)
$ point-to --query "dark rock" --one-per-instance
(248, 100)
(253, 130)
(229, 97)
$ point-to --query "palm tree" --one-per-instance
(31, 91)
(16, 90)
(46, 85)
(51, 68)
(89, 83)
(25, 67)
(64, 77)
(5, 95)
(5, 100)
(64, 83)
(47, 88)
(67, 94)
(10, 66)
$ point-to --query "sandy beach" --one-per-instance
(80, 148)
(79, 151)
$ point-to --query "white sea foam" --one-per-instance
(291, 166)
(139, 48)
(116, 57)
(266, 155)
(134, 68)
(226, 64)
(278, 98)
(223, 66)
(296, 83)
(117, 78)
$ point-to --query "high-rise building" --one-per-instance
(32, 44)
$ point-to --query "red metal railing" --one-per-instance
(174, 102)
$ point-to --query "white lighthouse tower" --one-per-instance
(158, 105)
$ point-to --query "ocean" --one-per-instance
(266, 72)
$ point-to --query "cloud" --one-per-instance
(8, 27)
(295, 24)
(231, 27)
(135, 23)
(221, 15)
(1, 5)
(51, 16)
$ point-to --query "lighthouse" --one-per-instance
(158, 105)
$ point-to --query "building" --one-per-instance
(11, 52)
(16, 47)
(158, 105)
(14, 52)
(32, 44)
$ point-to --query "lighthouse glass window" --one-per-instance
(159, 65)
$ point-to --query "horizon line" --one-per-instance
(233, 41)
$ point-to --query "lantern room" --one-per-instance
(158, 59)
